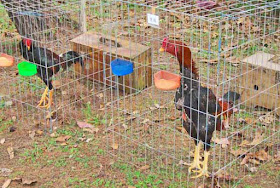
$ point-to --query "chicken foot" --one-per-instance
(45, 101)
(196, 162)
(204, 170)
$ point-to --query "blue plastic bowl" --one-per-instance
(121, 67)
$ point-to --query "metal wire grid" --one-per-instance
(145, 124)
(225, 10)
(143, 139)
(42, 8)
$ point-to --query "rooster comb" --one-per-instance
(165, 40)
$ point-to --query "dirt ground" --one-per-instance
(83, 161)
(145, 146)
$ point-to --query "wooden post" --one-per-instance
(83, 21)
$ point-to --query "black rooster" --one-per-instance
(48, 63)
(200, 105)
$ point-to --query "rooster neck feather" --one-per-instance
(184, 57)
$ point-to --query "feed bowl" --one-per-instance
(121, 67)
(6, 60)
(166, 81)
(27, 69)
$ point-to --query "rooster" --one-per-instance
(184, 56)
(182, 52)
(48, 64)
(192, 99)
(199, 103)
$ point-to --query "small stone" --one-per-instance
(12, 129)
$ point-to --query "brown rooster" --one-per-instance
(198, 102)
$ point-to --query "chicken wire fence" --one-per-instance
(235, 47)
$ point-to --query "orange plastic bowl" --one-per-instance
(6, 60)
(167, 81)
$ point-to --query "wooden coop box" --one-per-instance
(102, 50)
(259, 83)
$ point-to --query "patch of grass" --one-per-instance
(4, 124)
(137, 178)
(34, 153)
(60, 162)
(5, 23)
(91, 116)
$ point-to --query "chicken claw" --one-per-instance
(196, 162)
(204, 170)
(47, 101)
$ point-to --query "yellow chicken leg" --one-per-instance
(47, 101)
(204, 170)
(196, 162)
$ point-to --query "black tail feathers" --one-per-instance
(231, 96)
(71, 57)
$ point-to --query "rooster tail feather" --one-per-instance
(71, 57)
(231, 96)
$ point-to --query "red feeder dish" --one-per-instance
(167, 81)
(6, 60)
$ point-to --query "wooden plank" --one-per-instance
(262, 59)
(126, 48)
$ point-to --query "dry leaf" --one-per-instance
(131, 186)
(238, 152)
(256, 157)
(277, 157)
(237, 133)
(223, 175)
(56, 84)
(180, 129)
(115, 146)
(2, 141)
(251, 169)
(244, 143)
(262, 155)
(39, 132)
(257, 140)
(19, 180)
(145, 121)
(181, 162)
(84, 124)
(266, 119)
(7, 183)
(11, 152)
(31, 134)
(249, 120)
(5, 172)
(28, 182)
(222, 141)
(254, 161)
(206, 4)
(124, 126)
(91, 130)
(100, 95)
(143, 168)
(53, 135)
(241, 120)
(63, 138)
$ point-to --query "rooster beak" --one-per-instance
(161, 49)
(28, 47)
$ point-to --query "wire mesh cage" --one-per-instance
(225, 41)
(223, 46)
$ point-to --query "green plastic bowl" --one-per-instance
(27, 69)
